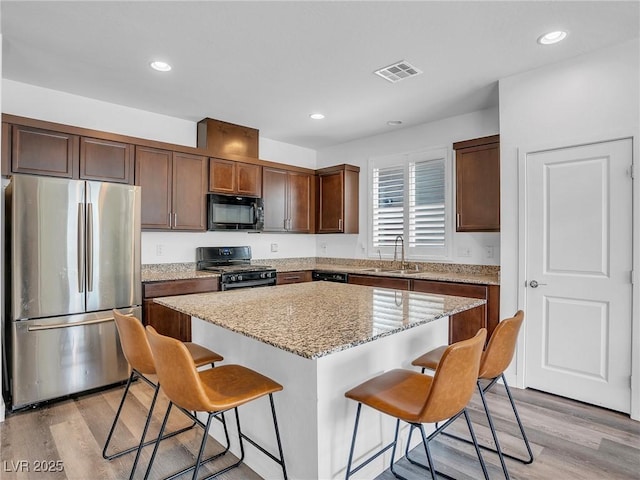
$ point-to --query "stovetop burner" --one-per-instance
(234, 266)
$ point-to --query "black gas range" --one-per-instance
(235, 267)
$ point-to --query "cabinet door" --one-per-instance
(167, 321)
(106, 161)
(189, 192)
(222, 176)
(331, 207)
(153, 174)
(44, 152)
(478, 189)
(249, 179)
(274, 193)
(299, 202)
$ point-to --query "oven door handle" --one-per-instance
(249, 283)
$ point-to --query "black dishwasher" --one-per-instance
(329, 277)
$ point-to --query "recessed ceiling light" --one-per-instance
(160, 66)
(552, 37)
(316, 116)
(394, 123)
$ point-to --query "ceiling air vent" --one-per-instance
(398, 71)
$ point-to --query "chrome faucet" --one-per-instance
(403, 264)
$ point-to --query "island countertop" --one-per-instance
(315, 319)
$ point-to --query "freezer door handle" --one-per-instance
(90, 247)
(80, 253)
(36, 328)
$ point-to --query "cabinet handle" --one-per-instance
(169, 219)
(457, 220)
(175, 219)
(340, 224)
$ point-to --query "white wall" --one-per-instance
(586, 99)
(426, 136)
(60, 107)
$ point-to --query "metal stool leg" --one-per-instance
(115, 420)
(497, 450)
(493, 432)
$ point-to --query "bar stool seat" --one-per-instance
(137, 351)
(495, 359)
(417, 399)
(213, 391)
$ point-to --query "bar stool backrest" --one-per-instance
(177, 373)
(454, 380)
(135, 345)
(502, 345)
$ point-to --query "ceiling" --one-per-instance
(268, 65)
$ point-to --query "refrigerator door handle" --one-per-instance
(90, 247)
(80, 253)
(36, 328)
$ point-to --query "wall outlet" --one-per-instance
(489, 251)
(159, 250)
(274, 247)
(464, 251)
(323, 247)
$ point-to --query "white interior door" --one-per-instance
(579, 245)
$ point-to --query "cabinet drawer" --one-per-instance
(180, 287)
(384, 282)
(285, 278)
(446, 288)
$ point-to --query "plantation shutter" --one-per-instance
(426, 204)
(388, 204)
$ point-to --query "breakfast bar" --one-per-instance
(318, 340)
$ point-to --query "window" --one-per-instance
(409, 199)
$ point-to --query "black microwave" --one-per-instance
(230, 212)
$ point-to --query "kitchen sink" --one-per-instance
(392, 270)
(405, 272)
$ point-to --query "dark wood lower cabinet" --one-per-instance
(383, 282)
(166, 320)
(284, 278)
(461, 325)
(466, 324)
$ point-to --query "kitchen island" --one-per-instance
(318, 340)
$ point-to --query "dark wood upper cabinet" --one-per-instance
(44, 152)
(227, 140)
(106, 161)
(189, 192)
(154, 172)
(274, 194)
(338, 199)
(478, 185)
(235, 178)
(173, 189)
(288, 201)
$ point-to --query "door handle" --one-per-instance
(90, 247)
(81, 245)
(535, 284)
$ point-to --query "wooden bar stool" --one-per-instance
(137, 351)
(417, 398)
(495, 360)
(214, 391)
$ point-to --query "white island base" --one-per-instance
(315, 419)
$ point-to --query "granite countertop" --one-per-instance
(476, 274)
(315, 319)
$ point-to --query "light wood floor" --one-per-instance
(570, 440)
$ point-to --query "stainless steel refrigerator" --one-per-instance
(73, 254)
